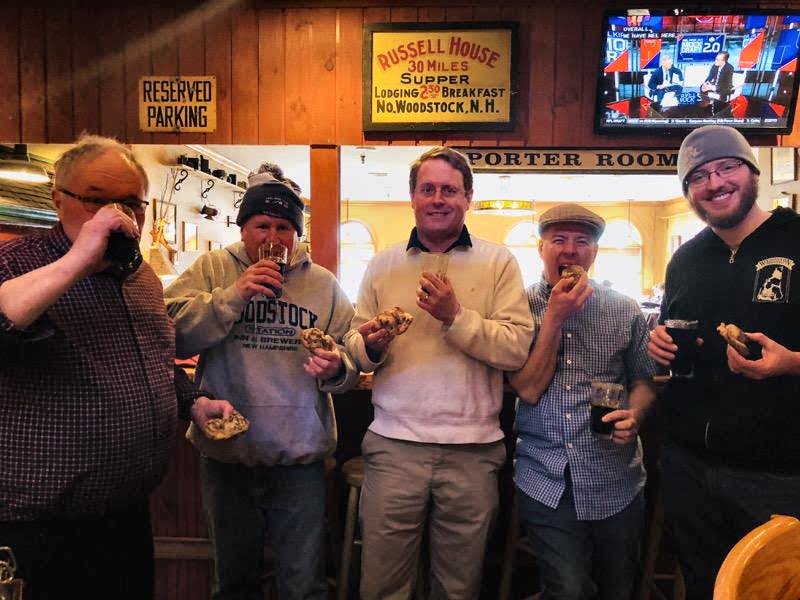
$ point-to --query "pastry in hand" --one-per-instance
(223, 429)
(572, 272)
(314, 337)
(737, 338)
(395, 320)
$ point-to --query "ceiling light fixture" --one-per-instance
(505, 208)
(17, 166)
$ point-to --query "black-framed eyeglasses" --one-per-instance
(447, 191)
(724, 170)
(135, 204)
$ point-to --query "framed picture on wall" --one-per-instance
(783, 164)
(212, 245)
(170, 216)
(191, 243)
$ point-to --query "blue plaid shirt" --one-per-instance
(605, 341)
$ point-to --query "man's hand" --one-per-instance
(87, 253)
(775, 359)
(324, 364)
(626, 424)
(661, 348)
(205, 408)
(262, 277)
(437, 297)
(376, 338)
(565, 301)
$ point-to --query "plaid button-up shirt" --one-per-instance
(605, 341)
(87, 392)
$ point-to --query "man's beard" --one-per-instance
(749, 194)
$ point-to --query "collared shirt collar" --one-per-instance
(463, 240)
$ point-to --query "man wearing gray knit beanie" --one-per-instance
(730, 458)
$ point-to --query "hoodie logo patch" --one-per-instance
(773, 279)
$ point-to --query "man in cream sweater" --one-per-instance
(433, 452)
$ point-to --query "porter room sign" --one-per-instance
(178, 104)
(443, 76)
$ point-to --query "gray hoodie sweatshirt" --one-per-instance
(250, 354)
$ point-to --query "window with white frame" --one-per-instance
(523, 242)
(356, 249)
(619, 258)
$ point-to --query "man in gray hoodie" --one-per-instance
(271, 478)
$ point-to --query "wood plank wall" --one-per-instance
(287, 73)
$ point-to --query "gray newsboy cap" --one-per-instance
(711, 142)
(572, 213)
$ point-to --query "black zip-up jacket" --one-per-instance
(746, 422)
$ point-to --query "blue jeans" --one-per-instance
(710, 506)
(579, 560)
(245, 504)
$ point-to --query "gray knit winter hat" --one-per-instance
(711, 142)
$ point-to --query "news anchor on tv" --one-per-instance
(666, 79)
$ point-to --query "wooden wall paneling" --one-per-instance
(591, 38)
(325, 216)
(58, 74)
(349, 57)
(32, 70)
(568, 76)
(10, 106)
(86, 75)
(218, 63)
(163, 49)
(189, 30)
(323, 76)
(519, 135)
(245, 75)
(272, 68)
(299, 86)
(111, 66)
(376, 15)
(137, 63)
(539, 57)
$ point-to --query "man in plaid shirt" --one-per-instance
(580, 494)
(87, 387)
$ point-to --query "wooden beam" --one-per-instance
(325, 203)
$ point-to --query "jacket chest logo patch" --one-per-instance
(773, 279)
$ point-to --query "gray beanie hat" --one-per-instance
(711, 142)
(275, 199)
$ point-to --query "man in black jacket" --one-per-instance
(731, 457)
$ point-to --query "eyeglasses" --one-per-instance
(447, 191)
(724, 171)
(136, 205)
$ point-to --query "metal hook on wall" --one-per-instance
(183, 175)
(204, 192)
(237, 201)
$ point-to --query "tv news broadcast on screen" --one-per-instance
(664, 70)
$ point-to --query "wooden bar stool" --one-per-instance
(353, 472)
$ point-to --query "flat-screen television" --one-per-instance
(678, 69)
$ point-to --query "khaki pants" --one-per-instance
(451, 488)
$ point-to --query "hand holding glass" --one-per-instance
(435, 262)
(684, 335)
(605, 398)
(277, 253)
